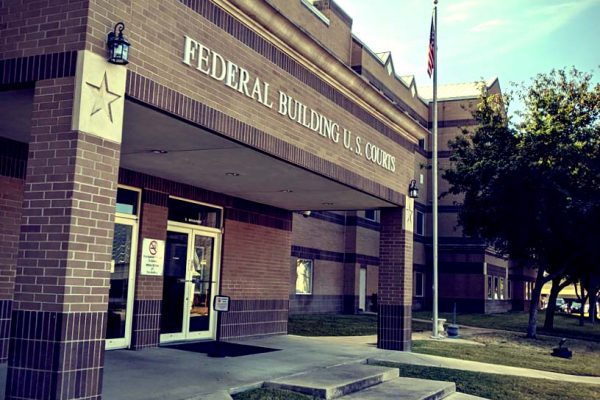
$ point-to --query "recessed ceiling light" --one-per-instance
(157, 151)
(286, 191)
(232, 174)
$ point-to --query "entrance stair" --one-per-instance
(365, 382)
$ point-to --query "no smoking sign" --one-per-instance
(153, 254)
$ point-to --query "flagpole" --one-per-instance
(435, 176)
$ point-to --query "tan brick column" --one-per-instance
(63, 266)
(149, 289)
(394, 299)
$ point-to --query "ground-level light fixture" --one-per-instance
(413, 190)
(158, 151)
(232, 174)
(285, 191)
(118, 47)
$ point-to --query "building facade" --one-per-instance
(136, 199)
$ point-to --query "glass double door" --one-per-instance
(122, 276)
(191, 272)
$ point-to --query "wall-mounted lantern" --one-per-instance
(413, 190)
(118, 47)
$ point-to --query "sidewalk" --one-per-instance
(176, 374)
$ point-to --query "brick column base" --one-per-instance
(394, 327)
(146, 324)
(56, 358)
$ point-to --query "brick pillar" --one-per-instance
(149, 289)
(62, 279)
(394, 297)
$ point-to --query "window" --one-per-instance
(371, 215)
(304, 276)
(509, 289)
(127, 201)
(419, 284)
(528, 290)
(501, 289)
(496, 288)
(419, 223)
(490, 288)
(190, 212)
(422, 144)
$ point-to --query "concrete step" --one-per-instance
(463, 396)
(335, 381)
(406, 389)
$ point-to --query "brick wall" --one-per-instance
(255, 274)
(41, 28)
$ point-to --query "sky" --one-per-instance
(510, 39)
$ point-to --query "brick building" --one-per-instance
(344, 257)
(131, 196)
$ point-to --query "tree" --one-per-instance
(532, 189)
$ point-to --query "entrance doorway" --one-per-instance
(362, 289)
(191, 274)
(122, 278)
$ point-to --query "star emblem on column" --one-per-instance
(103, 97)
(409, 214)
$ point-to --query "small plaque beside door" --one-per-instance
(221, 303)
(153, 257)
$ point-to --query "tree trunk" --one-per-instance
(533, 307)
(551, 309)
(584, 298)
(593, 299)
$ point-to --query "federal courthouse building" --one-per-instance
(252, 155)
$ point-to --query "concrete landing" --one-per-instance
(336, 381)
(406, 389)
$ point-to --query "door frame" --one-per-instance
(125, 342)
(193, 230)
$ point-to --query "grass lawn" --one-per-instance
(339, 325)
(502, 387)
(564, 325)
(505, 348)
(514, 349)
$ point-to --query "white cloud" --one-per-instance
(460, 12)
(489, 25)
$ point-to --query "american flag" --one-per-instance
(431, 57)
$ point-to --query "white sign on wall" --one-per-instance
(153, 257)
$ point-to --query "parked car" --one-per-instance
(576, 308)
